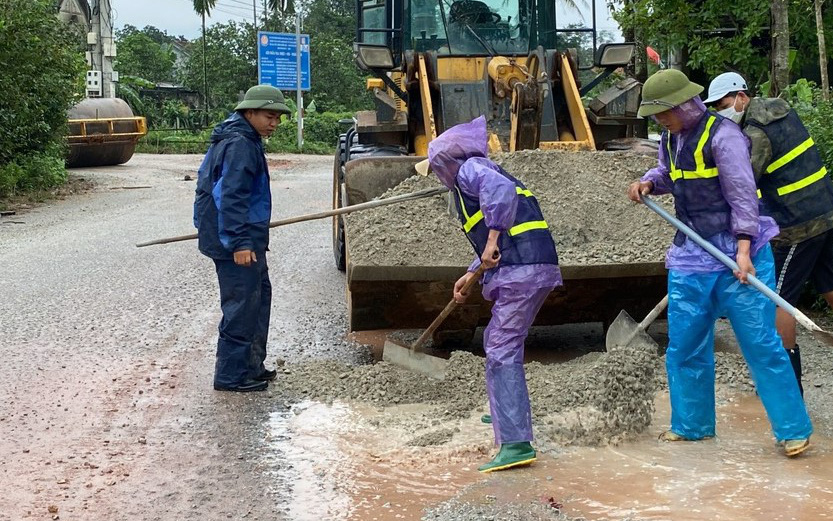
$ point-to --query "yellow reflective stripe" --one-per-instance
(798, 185)
(698, 154)
(670, 155)
(759, 194)
(462, 203)
(706, 173)
(521, 191)
(789, 156)
(472, 221)
(700, 163)
(525, 227)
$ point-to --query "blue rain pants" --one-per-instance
(246, 302)
(513, 312)
(695, 301)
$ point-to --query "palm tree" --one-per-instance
(203, 8)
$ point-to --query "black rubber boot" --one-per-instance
(795, 360)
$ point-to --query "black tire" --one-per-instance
(339, 244)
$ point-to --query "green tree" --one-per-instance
(42, 78)
(231, 64)
(139, 55)
(337, 84)
(715, 35)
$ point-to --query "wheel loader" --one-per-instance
(437, 63)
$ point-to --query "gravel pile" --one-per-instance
(582, 196)
(595, 399)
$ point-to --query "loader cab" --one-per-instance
(459, 27)
(439, 63)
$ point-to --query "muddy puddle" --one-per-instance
(351, 461)
(343, 466)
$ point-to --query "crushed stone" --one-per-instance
(582, 195)
(492, 510)
(595, 399)
(437, 437)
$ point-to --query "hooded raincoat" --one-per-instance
(701, 289)
(459, 159)
(232, 208)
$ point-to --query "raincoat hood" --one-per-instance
(690, 113)
(234, 125)
(455, 146)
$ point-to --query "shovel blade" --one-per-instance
(824, 337)
(625, 331)
(420, 361)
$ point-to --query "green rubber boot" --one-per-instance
(510, 455)
(486, 418)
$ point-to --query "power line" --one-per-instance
(246, 17)
(248, 5)
(227, 7)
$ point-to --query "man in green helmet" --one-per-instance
(232, 209)
(704, 162)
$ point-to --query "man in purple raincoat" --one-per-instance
(704, 162)
(504, 224)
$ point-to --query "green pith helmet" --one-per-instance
(665, 90)
(263, 97)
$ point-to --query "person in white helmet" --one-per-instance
(795, 190)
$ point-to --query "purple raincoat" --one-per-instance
(459, 155)
(730, 149)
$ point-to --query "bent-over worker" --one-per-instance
(502, 220)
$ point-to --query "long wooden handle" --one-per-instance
(451, 306)
(428, 192)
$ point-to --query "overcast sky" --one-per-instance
(177, 17)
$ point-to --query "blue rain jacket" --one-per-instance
(233, 202)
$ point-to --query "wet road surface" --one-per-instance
(108, 412)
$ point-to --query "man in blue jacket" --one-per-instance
(231, 212)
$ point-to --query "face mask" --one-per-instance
(730, 113)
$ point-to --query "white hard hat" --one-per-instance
(724, 84)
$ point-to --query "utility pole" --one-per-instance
(299, 101)
(204, 74)
(103, 50)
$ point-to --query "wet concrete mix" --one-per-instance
(595, 399)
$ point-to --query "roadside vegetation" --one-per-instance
(42, 77)
(162, 75)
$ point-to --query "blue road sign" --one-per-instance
(276, 60)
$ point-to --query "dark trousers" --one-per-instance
(246, 301)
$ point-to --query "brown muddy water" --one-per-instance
(349, 463)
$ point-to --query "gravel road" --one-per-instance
(109, 413)
(108, 349)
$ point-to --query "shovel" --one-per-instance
(625, 330)
(426, 361)
(800, 317)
